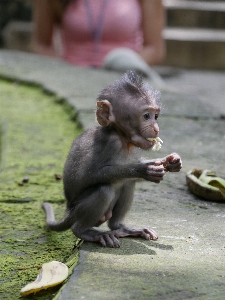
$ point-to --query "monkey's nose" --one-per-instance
(156, 128)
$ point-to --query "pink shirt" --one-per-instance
(119, 20)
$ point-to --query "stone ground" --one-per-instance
(188, 260)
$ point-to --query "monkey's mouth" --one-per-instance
(156, 143)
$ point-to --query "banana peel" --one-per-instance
(206, 185)
(51, 274)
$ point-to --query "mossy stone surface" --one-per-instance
(36, 134)
(187, 262)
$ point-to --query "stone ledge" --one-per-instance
(195, 5)
(17, 35)
(194, 34)
(198, 49)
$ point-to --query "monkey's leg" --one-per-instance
(120, 209)
(93, 210)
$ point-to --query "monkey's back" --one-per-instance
(90, 153)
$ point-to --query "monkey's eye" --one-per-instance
(156, 116)
(146, 116)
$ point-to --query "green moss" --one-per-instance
(36, 134)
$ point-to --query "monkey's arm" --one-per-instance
(148, 170)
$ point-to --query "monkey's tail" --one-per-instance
(51, 223)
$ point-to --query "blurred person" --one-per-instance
(92, 31)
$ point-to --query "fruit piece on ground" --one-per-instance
(51, 274)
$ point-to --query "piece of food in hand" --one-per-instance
(157, 143)
(51, 274)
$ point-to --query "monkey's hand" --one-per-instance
(155, 172)
(172, 163)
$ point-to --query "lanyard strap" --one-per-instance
(95, 29)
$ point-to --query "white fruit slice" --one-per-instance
(51, 274)
(157, 144)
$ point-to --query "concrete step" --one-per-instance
(195, 35)
(17, 35)
(203, 14)
(195, 48)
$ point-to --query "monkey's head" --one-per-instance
(132, 107)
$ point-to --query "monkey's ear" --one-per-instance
(104, 113)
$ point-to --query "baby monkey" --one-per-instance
(103, 164)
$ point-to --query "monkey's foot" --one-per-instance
(106, 238)
(146, 233)
(110, 238)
